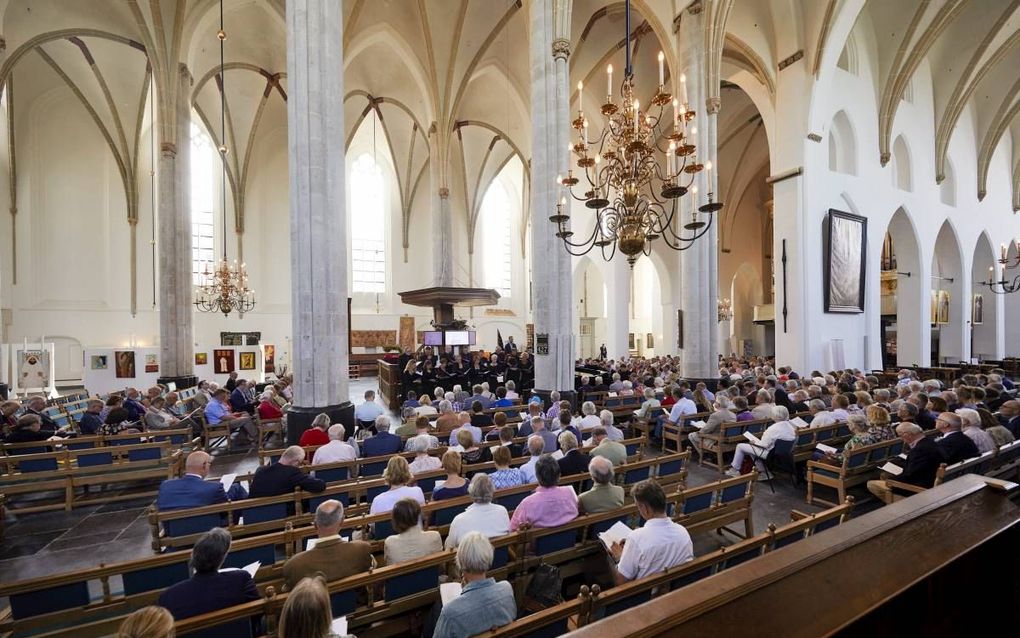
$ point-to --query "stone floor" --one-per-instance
(45, 543)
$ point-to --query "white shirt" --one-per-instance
(385, 501)
(822, 418)
(614, 433)
(476, 433)
(511, 395)
(488, 518)
(681, 407)
(840, 414)
(588, 422)
(528, 469)
(422, 464)
(334, 452)
(779, 430)
(656, 547)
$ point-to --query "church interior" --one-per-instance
(507, 317)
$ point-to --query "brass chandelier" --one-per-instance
(1004, 286)
(225, 289)
(635, 199)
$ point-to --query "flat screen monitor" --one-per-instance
(433, 338)
(457, 338)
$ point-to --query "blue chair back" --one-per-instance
(511, 501)
(628, 602)
(412, 583)
(192, 525)
(343, 603)
(263, 513)
(154, 578)
(145, 454)
(444, 515)
(265, 554)
(427, 483)
(38, 465)
(93, 459)
(633, 476)
(733, 493)
(692, 577)
(333, 474)
(53, 599)
(632, 448)
(697, 503)
(382, 530)
(555, 542)
(669, 468)
(240, 628)
(552, 630)
(372, 469)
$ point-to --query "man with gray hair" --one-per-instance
(538, 429)
(554, 406)
(819, 415)
(573, 461)
(971, 422)
(536, 445)
(483, 603)
(955, 445)
(482, 515)
(382, 443)
(721, 414)
(607, 420)
(209, 589)
(336, 450)
(284, 476)
(923, 461)
(329, 554)
(603, 495)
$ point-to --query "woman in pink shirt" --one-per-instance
(550, 505)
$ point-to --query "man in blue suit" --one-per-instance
(239, 399)
(210, 589)
(192, 490)
(383, 442)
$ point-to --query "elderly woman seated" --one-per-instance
(471, 453)
(483, 603)
(423, 462)
(505, 476)
(550, 505)
(397, 475)
(410, 541)
(481, 516)
(860, 436)
(454, 485)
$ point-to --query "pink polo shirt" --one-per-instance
(547, 507)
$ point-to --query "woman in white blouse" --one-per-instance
(397, 475)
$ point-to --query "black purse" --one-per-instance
(545, 589)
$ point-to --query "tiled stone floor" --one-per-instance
(54, 542)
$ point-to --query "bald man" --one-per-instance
(192, 490)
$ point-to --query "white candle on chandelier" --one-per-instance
(637, 114)
(683, 88)
(670, 158)
(609, 81)
(708, 174)
(1002, 247)
(991, 274)
(676, 114)
(662, 72)
(586, 131)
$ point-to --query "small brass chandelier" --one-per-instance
(224, 289)
(635, 199)
(1004, 286)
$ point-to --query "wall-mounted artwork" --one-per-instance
(631, 343)
(844, 246)
(943, 314)
(223, 361)
(125, 361)
(270, 358)
(247, 361)
(649, 341)
(151, 363)
(201, 358)
(35, 369)
(977, 313)
(99, 362)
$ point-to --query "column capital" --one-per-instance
(561, 48)
(712, 105)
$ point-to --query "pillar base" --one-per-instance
(300, 419)
(182, 382)
(565, 395)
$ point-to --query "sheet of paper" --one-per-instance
(449, 591)
(558, 454)
(892, 468)
(227, 480)
(339, 626)
(610, 394)
(903, 456)
(799, 422)
(438, 485)
(828, 449)
(252, 568)
(618, 532)
(697, 424)
(753, 439)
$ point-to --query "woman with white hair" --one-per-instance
(482, 515)
(588, 420)
(606, 420)
(422, 462)
(627, 390)
(483, 603)
(650, 403)
(780, 430)
(268, 408)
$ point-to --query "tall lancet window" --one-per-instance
(494, 239)
(204, 167)
(368, 226)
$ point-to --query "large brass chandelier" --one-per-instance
(634, 197)
(1005, 286)
(225, 289)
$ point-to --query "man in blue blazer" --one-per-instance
(192, 490)
(383, 442)
(209, 589)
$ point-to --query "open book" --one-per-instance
(753, 439)
(827, 449)
(697, 424)
(227, 480)
(558, 454)
(339, 626)
(615, 534)
(799, 422)
(892, 468)
(449, 591)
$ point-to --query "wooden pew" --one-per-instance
(729, 435)
(859, 466)
(715, 505)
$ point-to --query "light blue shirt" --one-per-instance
(476, 433)
(482, 605)
(214, 412)
(368, 411)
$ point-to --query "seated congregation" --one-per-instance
(491, 513)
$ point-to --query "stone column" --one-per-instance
(176, 341)
(618, 279)
(442, 216)
(699, 356)
(550, 48)
(318, 216)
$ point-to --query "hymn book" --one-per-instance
(697, 424)
(799, 422)
(339, 626)
(449, 591)
(753, 439)
(558, 454)
(227, 480)
(892, 468)
(827, 449)
(615, 534)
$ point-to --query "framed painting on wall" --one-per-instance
(977, 313)
(247, 361)
(269, 364)
(845, 241)
(125, 361)
(201, 358)
(943, 317)
(99, 362)
(223, 361)
(151, 363)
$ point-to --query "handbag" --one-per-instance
(544, 590)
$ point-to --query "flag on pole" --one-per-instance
(499, 339)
